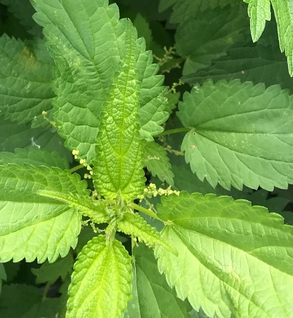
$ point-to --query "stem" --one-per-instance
(144, 210)
(76, 168)
(173, 131)
(46, 289)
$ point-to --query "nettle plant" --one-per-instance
(113, 242)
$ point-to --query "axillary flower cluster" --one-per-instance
(82, 162)
(151, 191)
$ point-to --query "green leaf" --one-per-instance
(259, 11)
(21, 301)
(101, 281)
(118, 165)
(34, 156)
(2, 275)
(23, 10)
(25, 77)
(133, 224)
(232, 257)
(157, 162)
(239, 134)
(32, 226)
(183, 9)
(49, 273)
(208, 36)
(87, 43)
(96, 210)
(151, 295)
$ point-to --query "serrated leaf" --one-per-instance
(157, 162)
(85, 73)
(25, 79)
(23, 10)
(34, 156)
(231, 256)
(183, 9)
(133, 224)
(35, 227)
(26, 302)
(101, 281)
(208, 36)
(118, 165)
(240, 134)
(152, 297)
(49, 273)
(96, 210)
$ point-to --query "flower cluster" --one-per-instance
(152, 191)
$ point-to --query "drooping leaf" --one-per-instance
(118, 165)
(34, 156)
(133, 224)
(87, 44)
(259, 12)
(26, 302)
(231, 256)
(49, 273)
(157, 162)
(240, 134)
(33, 226)
(23, 10)
(25, 79)
(203, 38)
(101, 281)
(151, 295)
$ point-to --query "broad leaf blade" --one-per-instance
(25, 79)
(157, 162)
(152, 297)
(118, 165)
(240, 134)
(35, 227)
(101, 281)
(208, 36)
(87, 53)
(232, 256)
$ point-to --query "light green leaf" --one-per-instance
(259, 11)
(133, 224)
(239, 134)
(118, 165)
(32, 226)
(25, 78)
(96, 210)
(208, 36)
(49, 273)
(22, 301)
(157, 162)
(2, 275)
(183, 9)
(231, 256)
(152, 297)
(101, 281)
(88, 54)
(34, 156)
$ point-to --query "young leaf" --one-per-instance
(34, 156)
(101, 281)
(239, 134)
(118, 165)
(157, 162)
(87, 44)
(216, 29)
(152, 297)
(26, 73)
(33, 226)
(134, 224)
(232, 257)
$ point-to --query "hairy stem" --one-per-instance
(144, 210)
